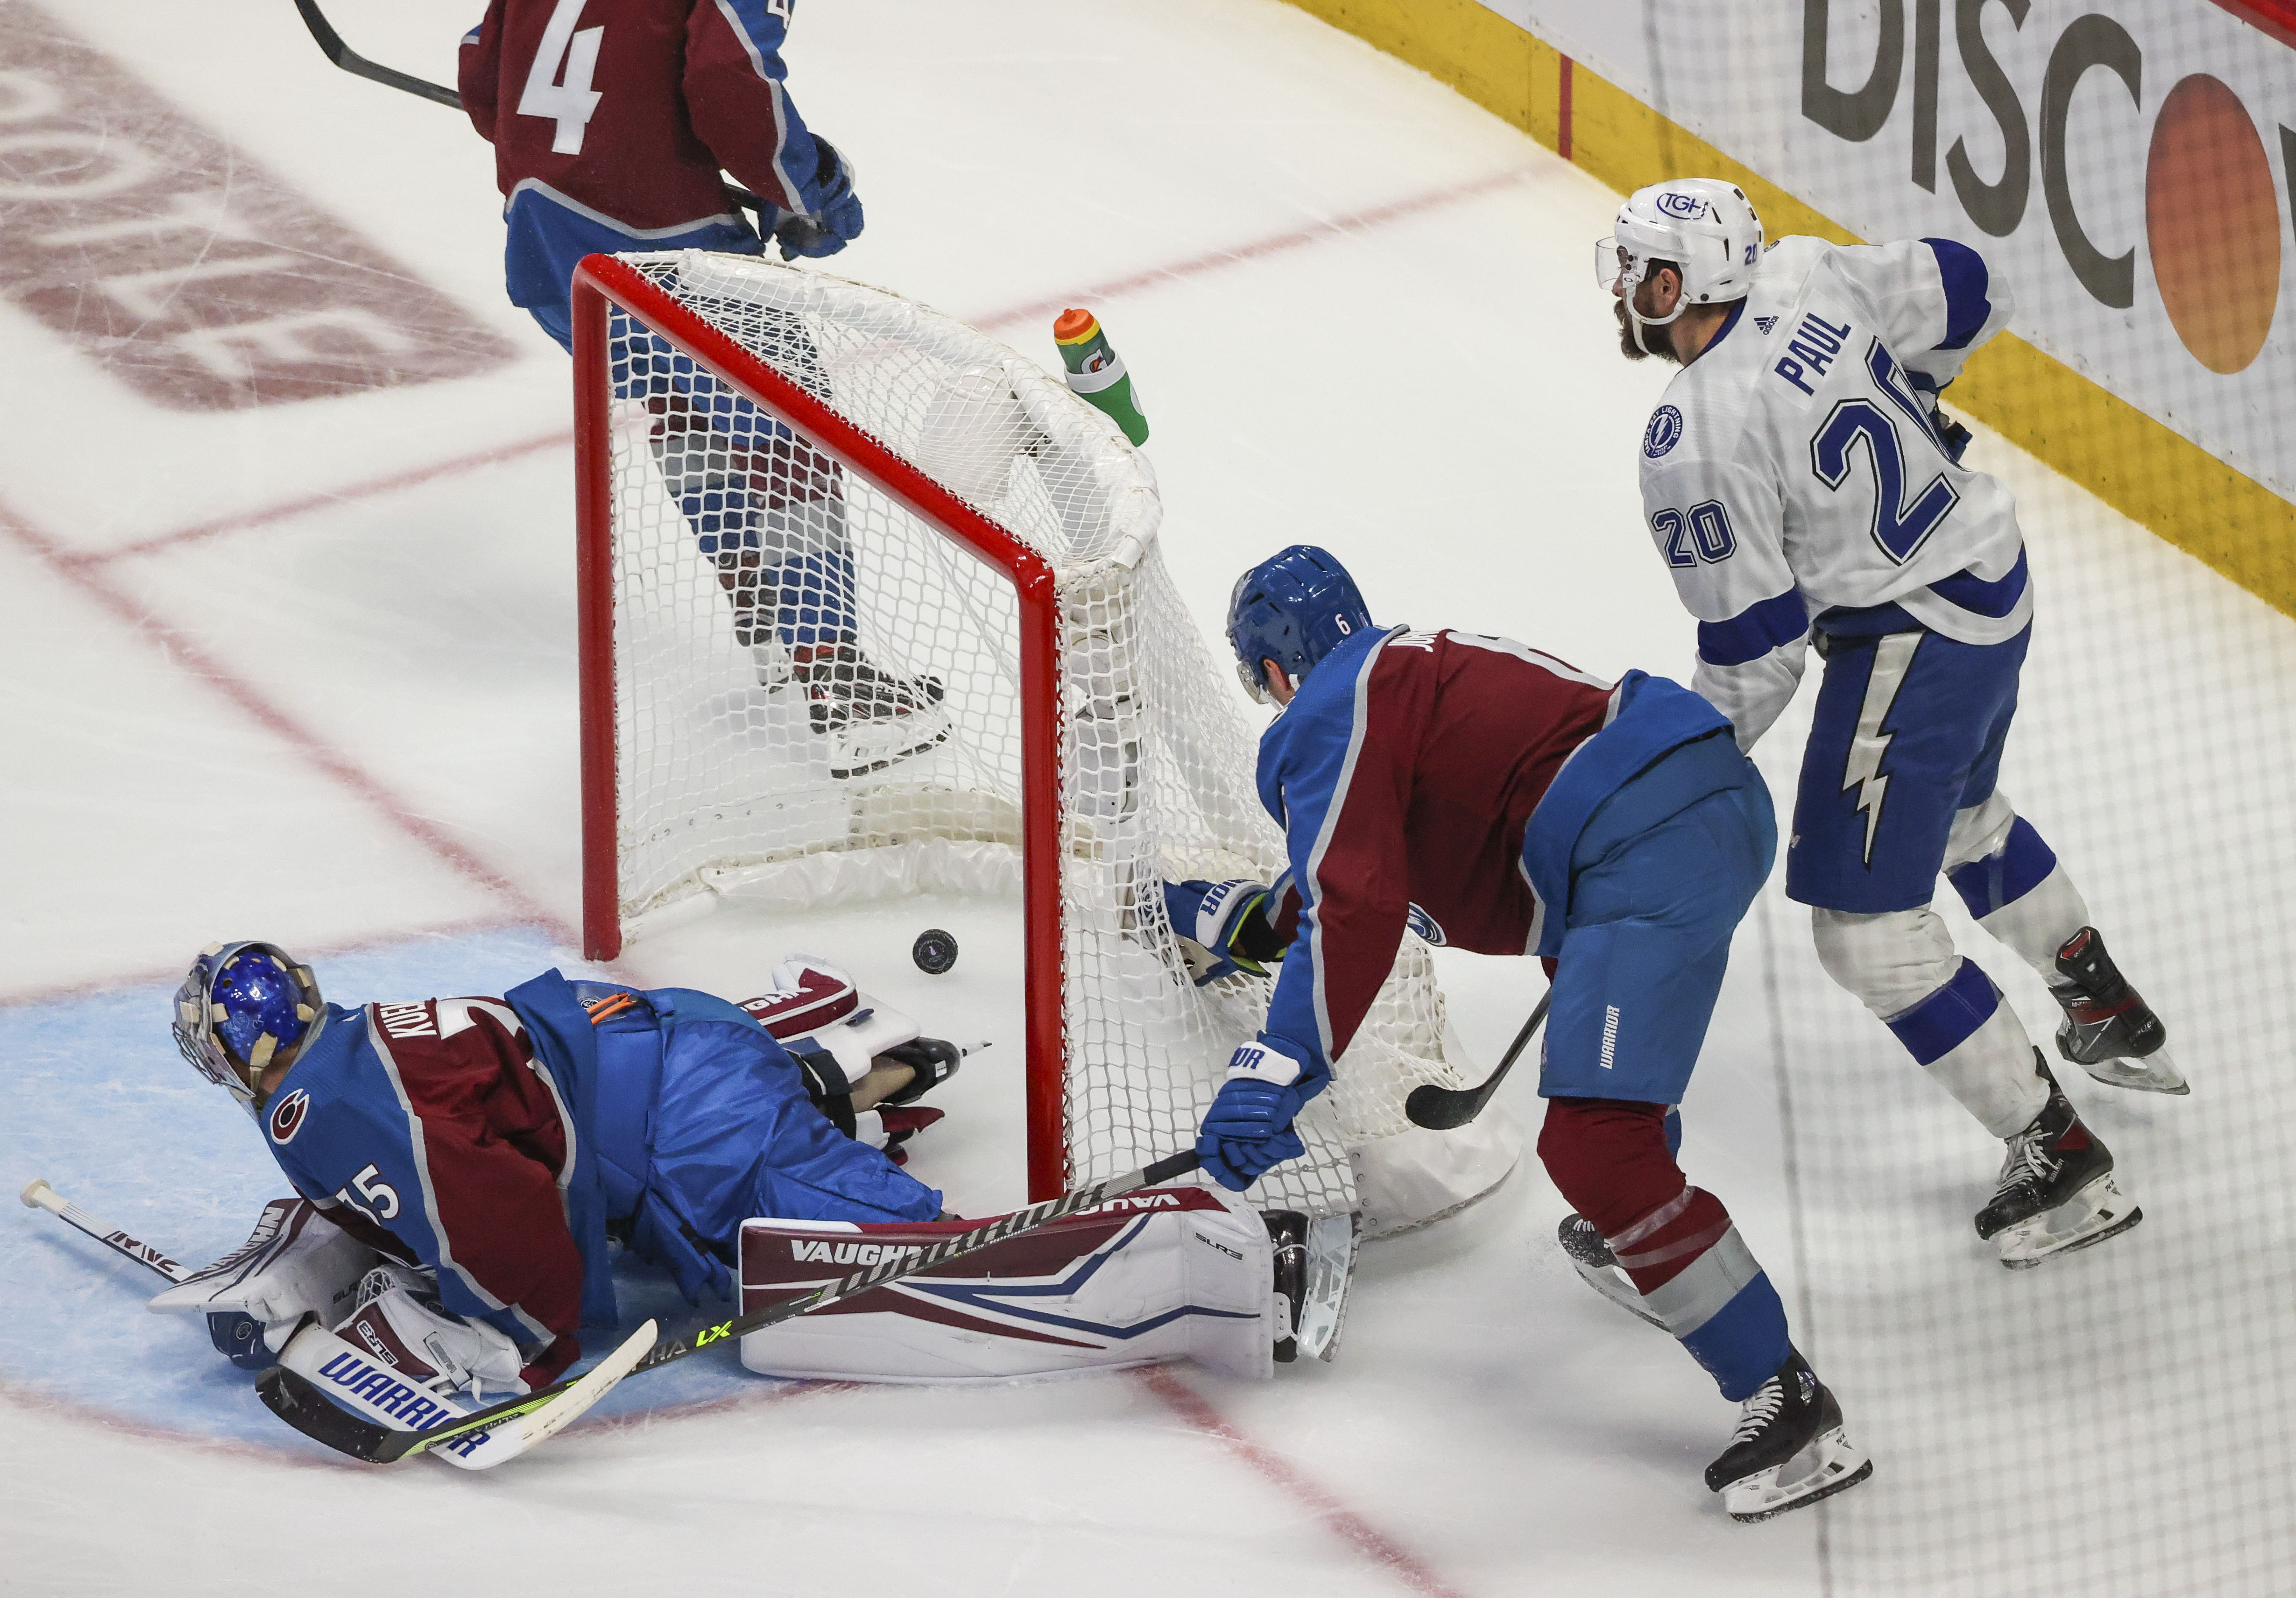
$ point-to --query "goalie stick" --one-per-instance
(303, 1404)
(1439, 1109)
(795, 232)
(39, 1195)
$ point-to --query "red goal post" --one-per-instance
(872, 606)
(602, 281)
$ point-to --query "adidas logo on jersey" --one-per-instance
(1766, 324)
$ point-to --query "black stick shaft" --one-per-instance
(331, 45)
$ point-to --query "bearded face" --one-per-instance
(1661, 343)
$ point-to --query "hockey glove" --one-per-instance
(835, 220)
(1951, 434)
(426, 1342)
(1248, 1129)
(1223, 927)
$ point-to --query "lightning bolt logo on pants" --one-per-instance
(1893, 657)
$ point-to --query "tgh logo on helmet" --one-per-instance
(1687, 208)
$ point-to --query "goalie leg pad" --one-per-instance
(1162, 1275)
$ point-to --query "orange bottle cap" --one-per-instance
(1073, 326)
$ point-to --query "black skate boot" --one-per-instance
(1287, 1230)
(1794, 1413)
(2109, 1031)
(871, 717)
(1599, 1268)
(2056, 1192)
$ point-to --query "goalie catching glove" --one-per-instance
(400, 1321)
(1248, 1129)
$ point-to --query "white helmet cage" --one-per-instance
(1704, 226)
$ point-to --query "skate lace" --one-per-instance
(1757, 1411)
(2029, 1164)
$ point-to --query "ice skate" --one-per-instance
(1599, 1268)
(1791, 1417)
(2109, 1031)
(2056, 1192)
(870, 716)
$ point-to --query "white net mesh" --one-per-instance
(818, 700)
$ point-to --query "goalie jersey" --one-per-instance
(494, 1141)
(1794, 475)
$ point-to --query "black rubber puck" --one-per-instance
(935, 951)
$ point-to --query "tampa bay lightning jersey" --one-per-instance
(1793, 475)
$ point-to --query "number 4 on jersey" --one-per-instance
(558, 84)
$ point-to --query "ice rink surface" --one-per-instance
(304, 671)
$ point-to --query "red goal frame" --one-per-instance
(602, 281)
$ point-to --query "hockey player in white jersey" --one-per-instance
(1804, 489)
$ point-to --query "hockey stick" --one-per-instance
(1439, 1109)
(39, 1195)
(304, 1405)
(795, 231)
(330, 44)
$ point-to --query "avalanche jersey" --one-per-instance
(1792, 475)
(436, 1132)
(1452, 773)
(611, 122)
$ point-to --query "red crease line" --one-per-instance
(1237, 255)
(58, 993)
(1351, 1529)
(337, 766)
(324, 500)
(1276, 244)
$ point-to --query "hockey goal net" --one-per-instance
(872, 605)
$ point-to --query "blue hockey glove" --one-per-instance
(1223, 926)
(836, 219)
(1951, 434)
(1248, 1129)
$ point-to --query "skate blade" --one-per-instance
(2156, 1073)
(872, 746)
(1837, 1465)
(1613, 1284)
(2097, 1212)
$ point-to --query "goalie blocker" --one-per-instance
(1160, 1274)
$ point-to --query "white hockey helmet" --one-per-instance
(1704, 226)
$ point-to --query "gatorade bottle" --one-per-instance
(1097, 372)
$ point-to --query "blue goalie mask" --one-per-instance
(1293, 608)
(243, 1008)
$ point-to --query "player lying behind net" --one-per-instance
(461, 1165)
(1516, 805)
(1803, 487)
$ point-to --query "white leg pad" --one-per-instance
(1991, 1074)
(1979, 830)
(1893, 961)
(2037, 924)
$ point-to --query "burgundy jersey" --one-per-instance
(1405, 773)
(429, 1130)
(629, 107)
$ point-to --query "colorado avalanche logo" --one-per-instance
(1424, 927)
(287, 1116)
(1665, 430)
(1683, 207)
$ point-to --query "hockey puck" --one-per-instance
(935, 951)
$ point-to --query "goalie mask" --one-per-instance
(1703, 228)
(243, 1007)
